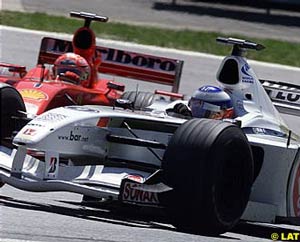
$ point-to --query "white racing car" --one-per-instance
(207, 174)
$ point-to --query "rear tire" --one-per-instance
(11, 103)
(141, 100)
(209, 165)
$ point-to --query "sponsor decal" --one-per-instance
(61, 46)
(210, 89)
(38, 85)
(115, 56)
(259, 131)
(247, 80)
(103, 122)
(82, 108)
(263, 131)
(33, 94)
(245, 69)
(52, 165)
(240, 106)
(129, 58)
(296, 193)
(131, 193)
(35, 124)
(73, 137)
(284, 96)
(247, 77)
(51, 117)
(30, 132)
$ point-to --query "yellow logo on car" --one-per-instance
(33, 94)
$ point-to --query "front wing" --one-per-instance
(25, 172)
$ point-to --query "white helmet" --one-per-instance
(211, 102)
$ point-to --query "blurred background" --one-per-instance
(275, 19)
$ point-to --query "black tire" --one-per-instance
(11, 103)
(209, 165)
(141, 100)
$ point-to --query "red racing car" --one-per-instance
(67, 74)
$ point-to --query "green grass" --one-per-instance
(282, 52)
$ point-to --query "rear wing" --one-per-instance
(285, 96)
(123, 63)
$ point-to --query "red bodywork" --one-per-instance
(40, 97)
(41, 91)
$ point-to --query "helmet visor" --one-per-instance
(62, 70)
(201, 109)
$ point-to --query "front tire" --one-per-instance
(11, 108)
(209, 165)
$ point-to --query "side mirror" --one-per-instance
(124, 103)
(116, 86)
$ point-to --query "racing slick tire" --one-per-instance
(141, 100)
(209, 165)
(11, 103)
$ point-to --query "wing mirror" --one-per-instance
(124, 103)
(116, 86)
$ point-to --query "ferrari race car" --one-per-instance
(206, 174)
(39, 89)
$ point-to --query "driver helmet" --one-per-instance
(211, 102)
(73, 68)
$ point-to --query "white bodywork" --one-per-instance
(276, 190)
(70, 136)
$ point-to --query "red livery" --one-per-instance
(43, 89)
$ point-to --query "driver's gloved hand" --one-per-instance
(180, 110)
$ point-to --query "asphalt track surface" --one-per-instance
(62, 217)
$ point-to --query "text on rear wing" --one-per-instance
(123, 63)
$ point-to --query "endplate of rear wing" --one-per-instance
(123, 63)
(285, 96)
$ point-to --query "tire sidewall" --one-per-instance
(194, 163)
(11, 103)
